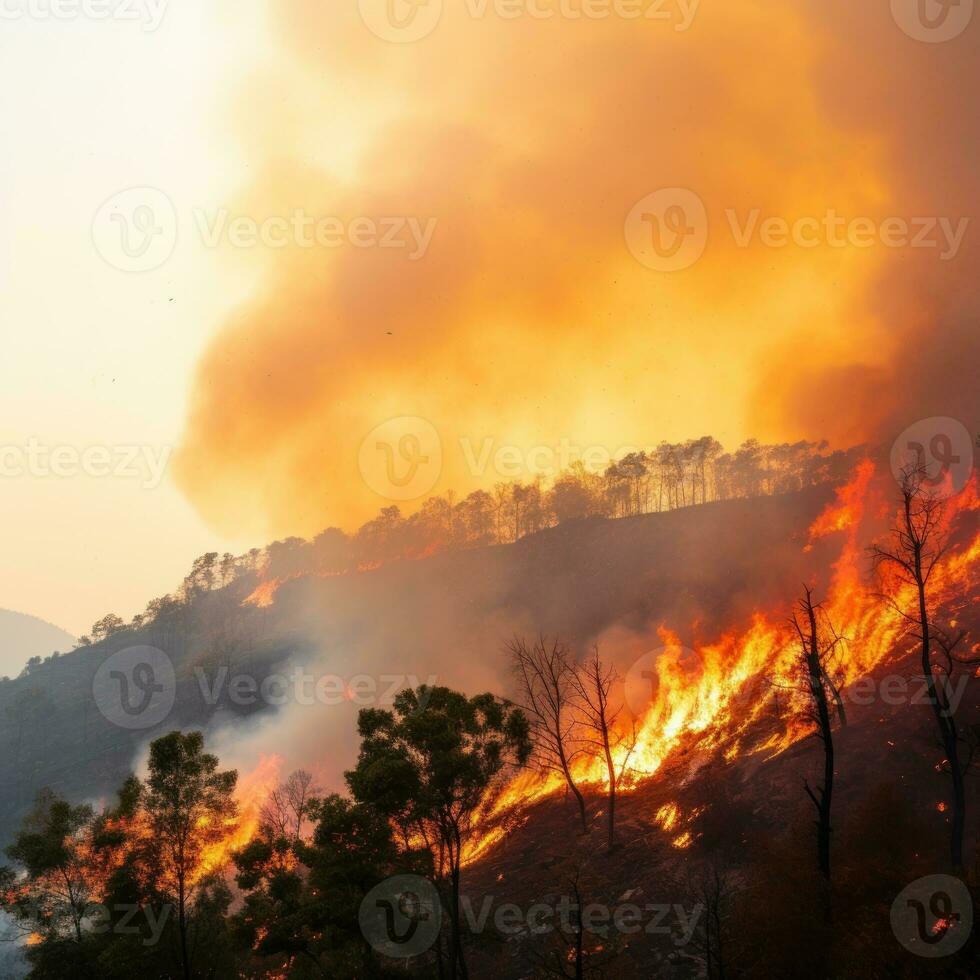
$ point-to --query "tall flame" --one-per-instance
(713, 699)
(252, 791)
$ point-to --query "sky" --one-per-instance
(95, 356)
(269, 266)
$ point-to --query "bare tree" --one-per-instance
(546, 685)
(822, 697)
(594, 683)
(717, 887)
(917, 543)
(285, 810)
(571, 950)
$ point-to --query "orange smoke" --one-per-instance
(527, 320)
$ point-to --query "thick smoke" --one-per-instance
(527, 320)
(447, 620)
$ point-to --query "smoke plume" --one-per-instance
(527, 320)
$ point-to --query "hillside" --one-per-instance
(445, 617)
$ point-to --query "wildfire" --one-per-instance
(667, 816)
(253, 789)
(714, 699)
(264, 594)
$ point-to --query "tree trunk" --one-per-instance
(611, 768)
(182, 926)
(826, 791)
(940, 706)
(457, 961)
(571, 785)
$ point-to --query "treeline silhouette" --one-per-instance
(674, 475)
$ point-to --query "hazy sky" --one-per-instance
(94, 356)
(232, 387)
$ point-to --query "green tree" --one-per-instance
(189, 807)
(106, 627)
(428, 765)
(303, 896)
(54, 893)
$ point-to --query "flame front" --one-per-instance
(252, 791)
(714, 699)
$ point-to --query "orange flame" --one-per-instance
(715, 698)
(251, 793)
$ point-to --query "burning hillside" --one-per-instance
(687, 716)
(712, 698)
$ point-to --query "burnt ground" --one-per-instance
(753, 819)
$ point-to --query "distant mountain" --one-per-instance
(23, 637)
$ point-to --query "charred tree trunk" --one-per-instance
(945, 721)
(569, 779)
(457, 960)
(182, 924)
(611, 769)
(823, 798)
